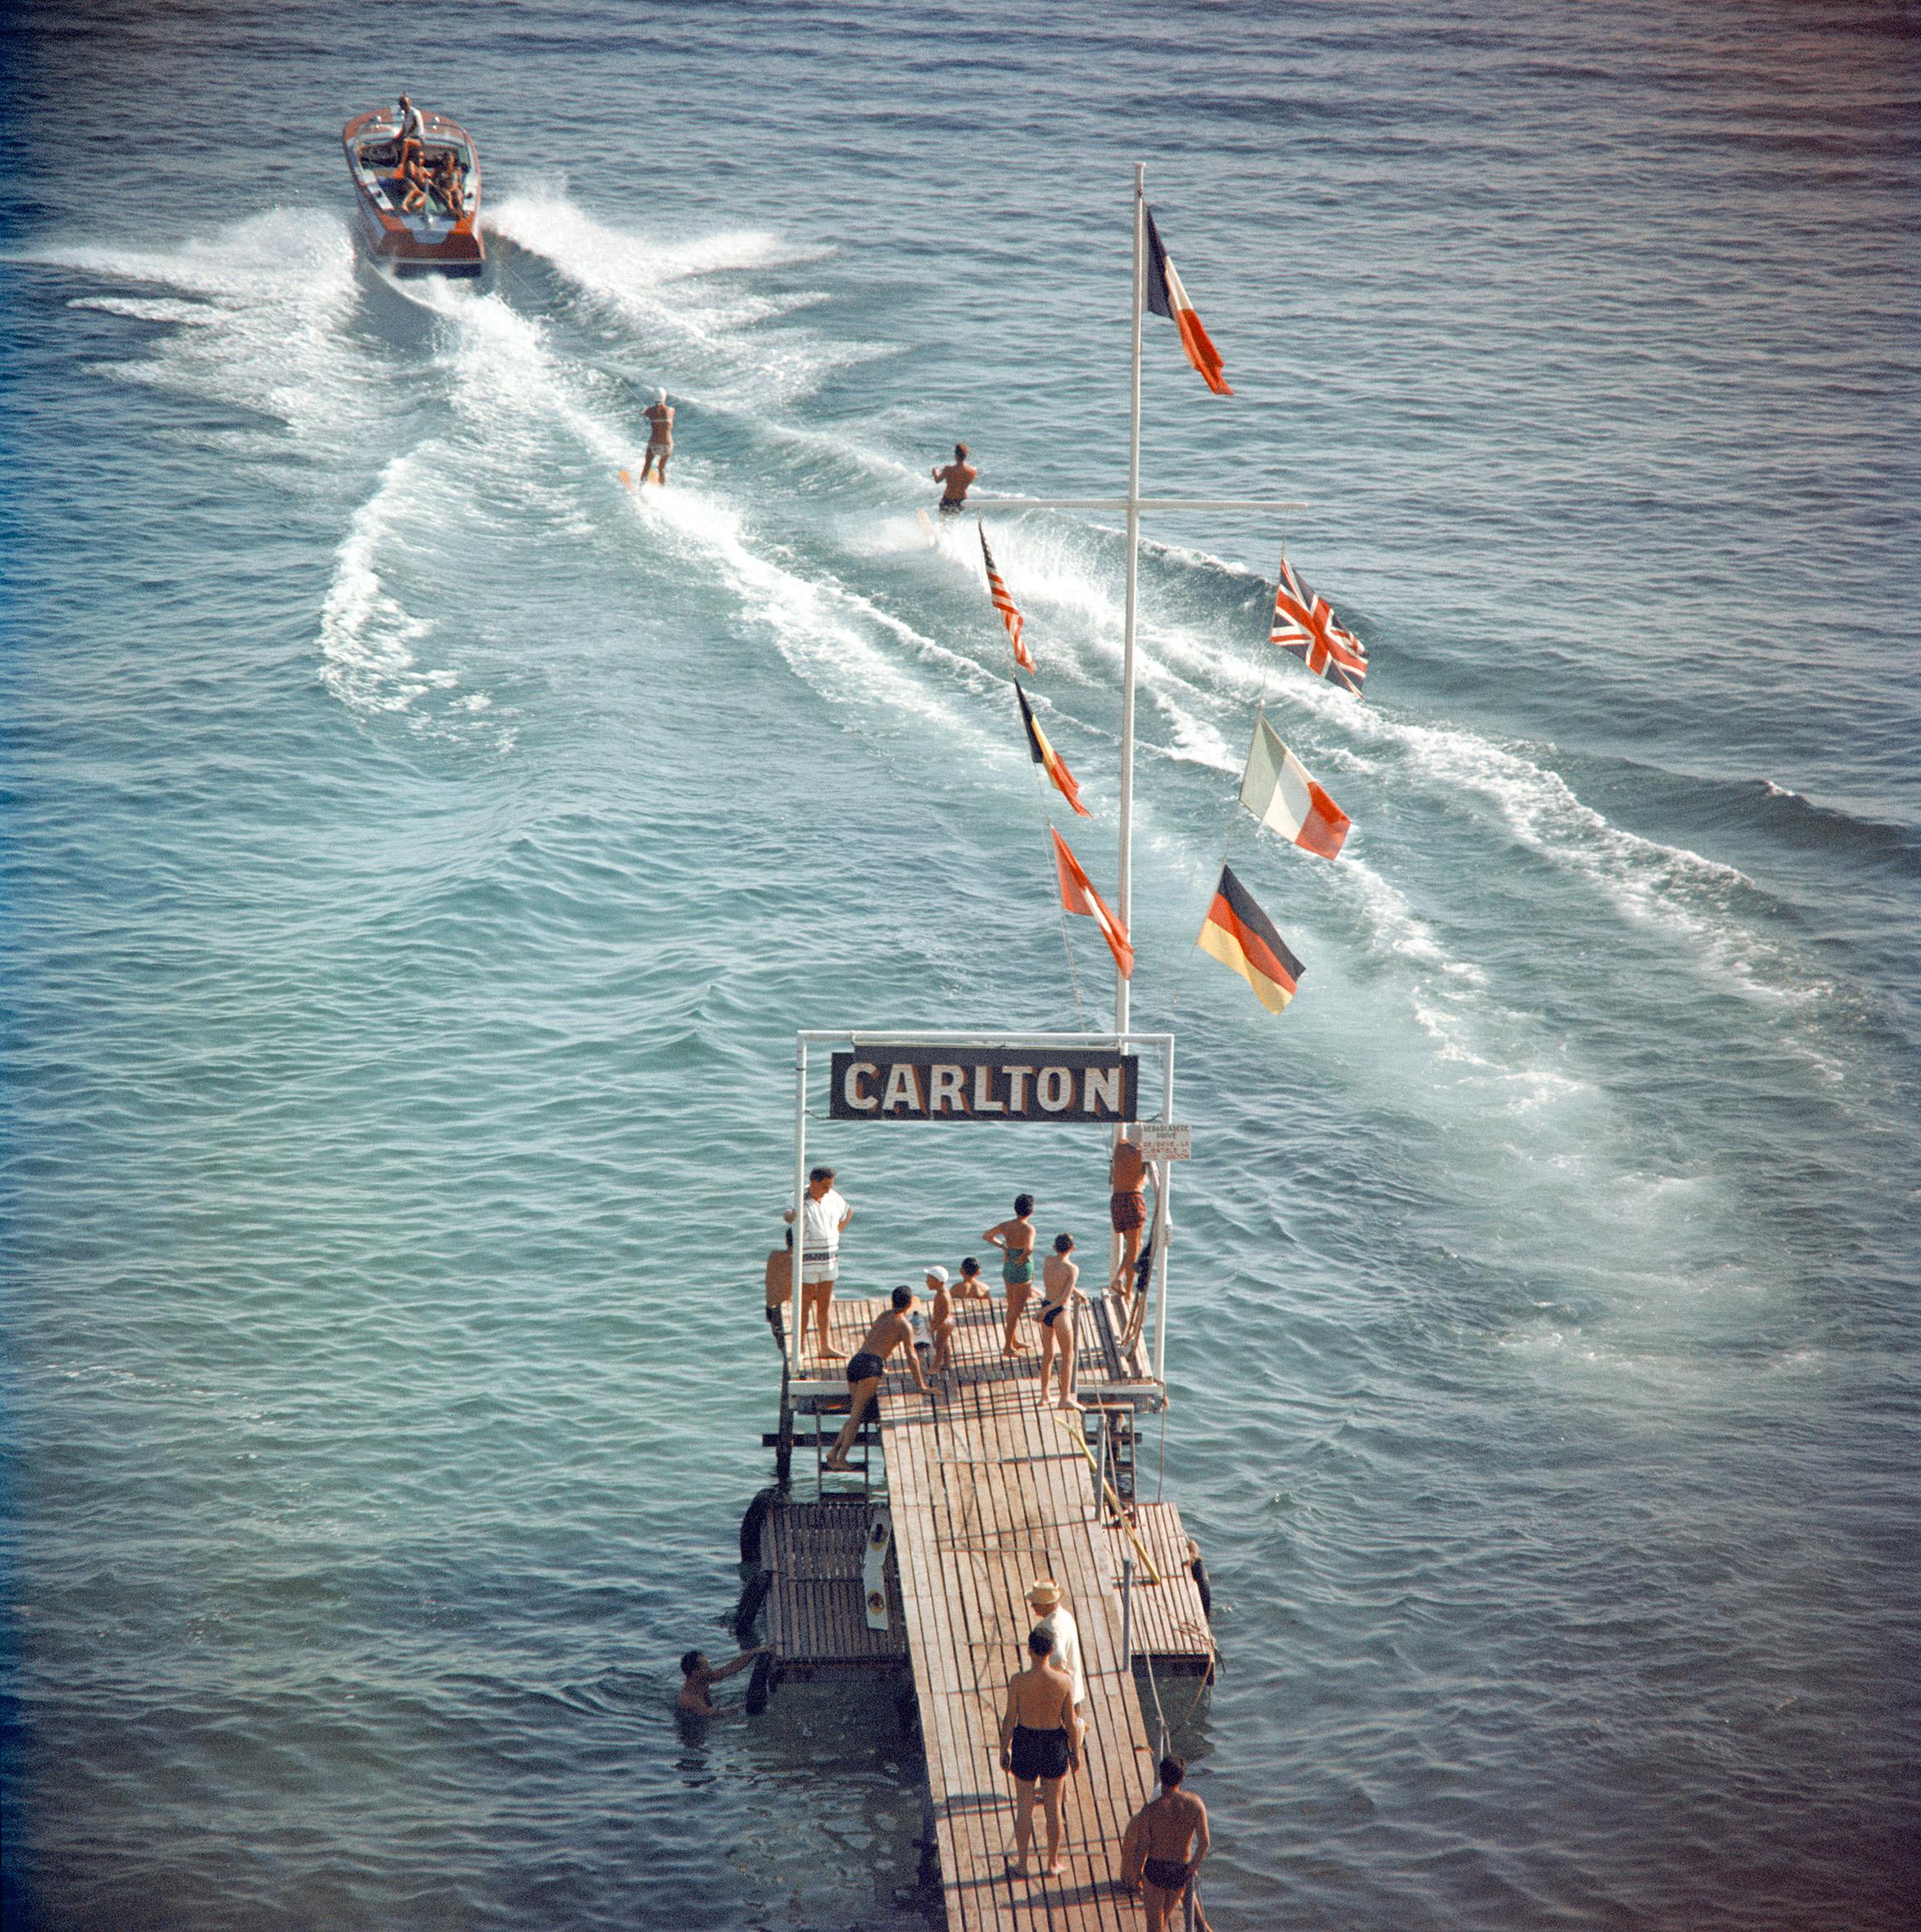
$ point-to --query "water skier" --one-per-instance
(893, 1329)
(954, 479)
(659, 416)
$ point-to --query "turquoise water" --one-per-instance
(420, 854)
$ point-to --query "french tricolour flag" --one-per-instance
(1167, 296)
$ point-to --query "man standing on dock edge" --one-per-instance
(892, 1328)
(826, 1213)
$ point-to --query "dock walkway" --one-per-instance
(987, 1489)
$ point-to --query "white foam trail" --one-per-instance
(367, 637)
(676, 297)
(261, 309)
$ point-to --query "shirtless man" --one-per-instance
(1014, 1239)
(414, 174)
(1058, 1277)
(954, 480)
(701, 1677)
(1154, 1852)
(942, 1320)
(659, 416)
(1040, 1741)
(893, 1329)
(1126, 1207)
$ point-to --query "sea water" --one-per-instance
(421, 850)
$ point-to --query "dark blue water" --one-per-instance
(421, 853)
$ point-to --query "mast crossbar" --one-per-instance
(1122, 503)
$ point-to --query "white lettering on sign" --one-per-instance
(1163, 1140)
(903, 1088)
(1017, 1078)
(983, 1101)
(854, 1089)
(1101, 1087)
(944, 1089)
(1054, 1089)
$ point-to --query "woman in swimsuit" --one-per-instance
(1014, 1239)
(1040, 1740)
(1059, 1276)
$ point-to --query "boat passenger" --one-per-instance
(412, 135)
(413, 176)
(1154, 1852)
(892, 1328)
(700, 1677)
(1057, 1337)
(826, 1214)
(1040, 1741)
(660, 438)
(954, 480)
(1014, 1239)
(447, 182)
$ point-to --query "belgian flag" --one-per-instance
(1047, 758)
(1239, 935)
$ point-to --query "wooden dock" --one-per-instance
(987, 1489)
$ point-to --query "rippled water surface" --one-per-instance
(421, 853)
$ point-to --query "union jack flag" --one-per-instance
(1303, 623)
(1009, 611)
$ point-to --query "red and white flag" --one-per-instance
(1277, 789)
(1009, 611)
(1078, 895)
(1167, 296)
(1303, 623)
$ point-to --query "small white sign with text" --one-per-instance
(1161, 1140)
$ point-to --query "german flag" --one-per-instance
(1048, 758)
(1239, 935)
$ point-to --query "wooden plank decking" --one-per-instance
(988, 1490)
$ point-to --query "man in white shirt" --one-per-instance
(413, 129)
(826, 1214)
(1044, 1599)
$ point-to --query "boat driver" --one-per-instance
(411, 136)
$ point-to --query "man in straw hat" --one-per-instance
(1044, 1600)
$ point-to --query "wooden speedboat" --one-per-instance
(439, 234)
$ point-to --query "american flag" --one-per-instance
(1303, 623)
(1009, 611)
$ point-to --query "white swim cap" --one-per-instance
(660, 395)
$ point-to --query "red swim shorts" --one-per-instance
(1127, 1209)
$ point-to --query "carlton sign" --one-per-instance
(945, 1083)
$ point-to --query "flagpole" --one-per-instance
(1126, 856)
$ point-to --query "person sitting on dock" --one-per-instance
(1040, 1741)
(954, 479)
(971, 1287)
(1127, 1207)
(1154, 1853)
(701, 1677)
(1014, 1239)
(892, 1328)
(1056, 1337)
(780, 1290)
(1044, 1599)
(826, 1215)
(942, 1320)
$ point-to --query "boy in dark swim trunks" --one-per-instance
(892, 1328)
(1127, 1207)
(1014, 1239)
(700, 1677)
(1159, 1835)
(1040, 1741)
(1059, 1276)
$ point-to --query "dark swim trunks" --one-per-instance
(952, 506)
(1171, 1875)
(1039, 1753)
(1052, 1313)
(866, 1364)
(1127, 1209)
